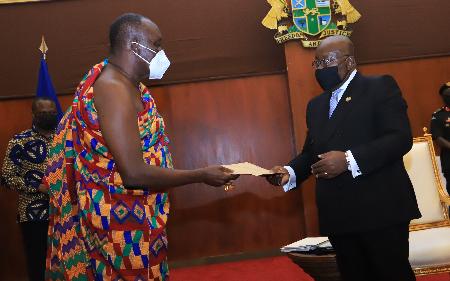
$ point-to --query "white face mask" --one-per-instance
(158, 65)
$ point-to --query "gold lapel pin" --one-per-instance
(348, 99)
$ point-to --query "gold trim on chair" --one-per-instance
(444, 201)
(429, 225)
(431, 270)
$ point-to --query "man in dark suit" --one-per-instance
(358, 132)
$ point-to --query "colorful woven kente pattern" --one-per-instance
(98, 229)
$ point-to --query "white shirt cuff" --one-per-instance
(353, 167)
(292, 179)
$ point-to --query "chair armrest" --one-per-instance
(444, 197)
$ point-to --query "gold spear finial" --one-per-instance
(43, 48)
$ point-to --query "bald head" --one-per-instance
(135, 40)
(339, 45)
(126, 28)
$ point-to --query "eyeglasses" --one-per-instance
(325, 62)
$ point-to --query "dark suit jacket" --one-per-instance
(371, 121)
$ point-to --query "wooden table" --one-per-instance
(319, 267)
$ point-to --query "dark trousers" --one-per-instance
(380, 255)
(34, 234)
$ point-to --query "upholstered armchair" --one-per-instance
(429, 236)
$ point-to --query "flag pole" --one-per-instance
(45, 85)
(43, 48)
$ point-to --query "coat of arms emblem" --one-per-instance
(310, 18)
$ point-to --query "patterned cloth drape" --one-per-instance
(99, 230)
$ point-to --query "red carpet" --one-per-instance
(278, 268)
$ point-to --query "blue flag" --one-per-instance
(45, 87)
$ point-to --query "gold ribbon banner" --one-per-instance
(311, 44)
(332, 32)
(290, 36)
(325, 33)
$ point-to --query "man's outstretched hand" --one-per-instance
(217, 175)
(280, 176)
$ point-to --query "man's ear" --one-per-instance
(351, 62)
(134, 44)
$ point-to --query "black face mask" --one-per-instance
(47, 122)
(446, 99)
(328, 78)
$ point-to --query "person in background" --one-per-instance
(110, 169)
(23, 170)
(440, 131)
(358, 132)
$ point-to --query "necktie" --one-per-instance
(334, 101)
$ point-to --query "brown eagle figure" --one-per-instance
(346, 8)
(276, 12)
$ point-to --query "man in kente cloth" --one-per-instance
(109, 170)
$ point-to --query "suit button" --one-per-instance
(341, 135)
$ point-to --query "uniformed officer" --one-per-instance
(440, 130)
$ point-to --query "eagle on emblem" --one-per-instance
(345, 8)
(275, 14)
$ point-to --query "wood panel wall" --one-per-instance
(203, 39)
(208, 123)
(224, 122)
(419, 80)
